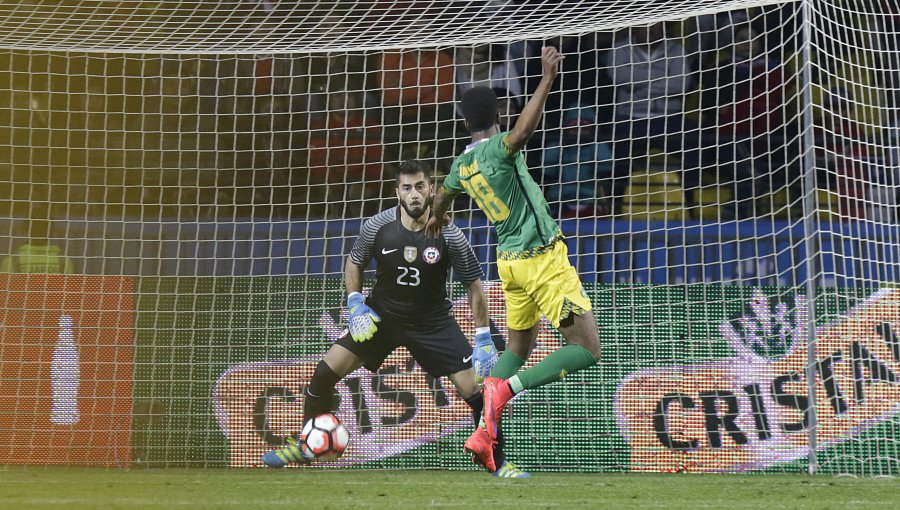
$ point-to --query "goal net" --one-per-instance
(182, 181)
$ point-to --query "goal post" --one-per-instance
(725, 174)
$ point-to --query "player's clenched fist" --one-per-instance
(362, 318)
(550, 59)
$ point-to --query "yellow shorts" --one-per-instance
(546, 283)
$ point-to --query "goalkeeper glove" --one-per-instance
(484, 356)
(362, 318)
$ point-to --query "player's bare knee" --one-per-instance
(581, 329)
(589, 342)
(465, 383)
(522, 341)
(594, 349)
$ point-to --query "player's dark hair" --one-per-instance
(479, 106)
(412, 167)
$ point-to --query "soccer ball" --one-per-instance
(325, 437)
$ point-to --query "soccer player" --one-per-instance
(407, 307)
(532, 258)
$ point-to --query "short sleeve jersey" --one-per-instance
(411, 269)
(500, 184)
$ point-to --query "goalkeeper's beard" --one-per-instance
(416, 212)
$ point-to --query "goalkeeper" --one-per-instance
(407, 307)
(532, 258)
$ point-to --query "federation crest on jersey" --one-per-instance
(431, 255)
(409, 253)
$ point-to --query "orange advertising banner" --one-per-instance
(66, 369)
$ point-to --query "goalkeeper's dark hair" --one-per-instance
(480, 106)
(412, 167)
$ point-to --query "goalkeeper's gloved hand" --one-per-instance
(484, 356)
(362, 318)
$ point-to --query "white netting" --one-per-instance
(268, 26)
(206, 167)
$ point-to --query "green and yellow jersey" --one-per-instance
(499, 183)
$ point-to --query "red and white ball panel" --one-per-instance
(325, 436)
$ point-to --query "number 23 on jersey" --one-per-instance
(408, 276)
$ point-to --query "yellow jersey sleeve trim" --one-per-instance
(505, 141)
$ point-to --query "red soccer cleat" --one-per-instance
(481, 447)
(497, 393)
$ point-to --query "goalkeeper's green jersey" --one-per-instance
(500, 184)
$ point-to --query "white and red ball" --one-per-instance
(325, 436)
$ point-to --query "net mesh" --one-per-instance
(724, 172)
(270, 26)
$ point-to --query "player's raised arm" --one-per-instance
(531, 114)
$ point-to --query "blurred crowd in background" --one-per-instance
(691, 120)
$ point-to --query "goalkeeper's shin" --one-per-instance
(318, 397)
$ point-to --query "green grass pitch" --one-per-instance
(87, 488)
